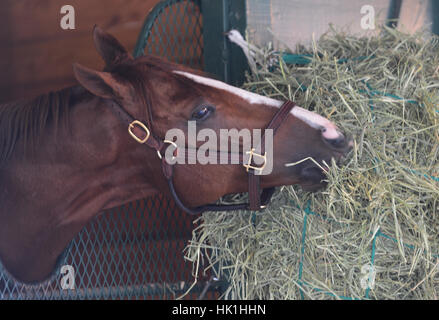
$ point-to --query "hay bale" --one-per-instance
(373, 232)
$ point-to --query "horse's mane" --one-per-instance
(27, 118)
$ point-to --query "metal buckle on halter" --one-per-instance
(168, 142)
(252, 154)
(140, 124)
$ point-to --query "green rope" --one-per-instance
(427, 176)
(303, 59)
(302, 282)
(330, 293)
(374, 92)
(412, 247)
(423, 174)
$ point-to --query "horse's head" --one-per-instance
(166, 96)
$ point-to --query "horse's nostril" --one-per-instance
(338, 142)
(351, 143)
(341, 144)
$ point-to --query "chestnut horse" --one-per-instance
(65, 156)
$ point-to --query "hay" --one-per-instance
(380, 209)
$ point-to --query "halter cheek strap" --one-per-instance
(257, 200)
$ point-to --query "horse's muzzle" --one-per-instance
(340, 145)
(313, 176)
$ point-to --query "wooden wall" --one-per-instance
(290, 22)
(36, 54)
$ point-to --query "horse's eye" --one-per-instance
(202, 113)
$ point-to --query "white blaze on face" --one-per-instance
(329, 130)
(251, 97)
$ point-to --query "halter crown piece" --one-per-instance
(257, 200)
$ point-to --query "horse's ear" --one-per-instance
(101, 84)
(109, 48)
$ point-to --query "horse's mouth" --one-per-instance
(339, 158)
(313, 187)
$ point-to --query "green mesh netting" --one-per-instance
(174, 30)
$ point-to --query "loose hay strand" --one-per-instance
(380, 209)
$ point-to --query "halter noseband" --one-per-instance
(257, 200)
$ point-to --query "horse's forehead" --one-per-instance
(251, 97)
(311, 118)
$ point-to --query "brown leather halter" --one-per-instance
(257, 200)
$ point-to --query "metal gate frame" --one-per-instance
(220, 57)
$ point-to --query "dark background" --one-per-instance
(36, 54)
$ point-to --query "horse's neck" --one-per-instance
(72, 176)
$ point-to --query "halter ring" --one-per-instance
(140, 124)
(252, 154)
(168, 142)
